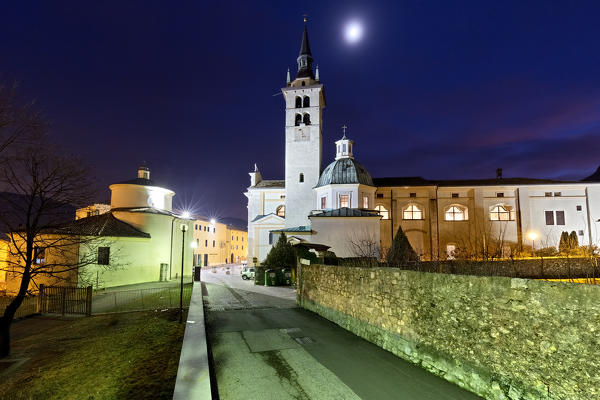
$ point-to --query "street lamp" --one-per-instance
(183, 228)
(532, 236)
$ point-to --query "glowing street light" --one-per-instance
(212, 221)
(186, 215)
(532, 236)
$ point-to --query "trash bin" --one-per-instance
(270, 277)
(286, 275)
(197, 274)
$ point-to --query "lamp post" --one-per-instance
(183, 228)
(532, 236)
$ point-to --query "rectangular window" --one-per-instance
(213, 243)
(557, 194)
(39, 255)
(380, 195)
(549, 217)
(323, 202)
(580, 233)
(282, 196)
(231, 237)
(578, 208)
(344, 147)
(344, 200)
(560, 218)
(365, 201)
(412, 195)
(500, 194)
(206, 243)
(214, 230)
(103, 255)
(548, 194)
(455, 195)
(270, 237)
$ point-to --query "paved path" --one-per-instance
(264, 347)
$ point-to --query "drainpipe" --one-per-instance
(171, 255)
(392, 212)
(587, 205)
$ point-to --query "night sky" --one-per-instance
(443, 90)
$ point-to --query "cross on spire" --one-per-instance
(344, 129)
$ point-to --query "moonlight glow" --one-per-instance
(353, 32)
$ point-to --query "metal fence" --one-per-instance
(29, 306)
(53, 300)
(140, 299)
(65, 300)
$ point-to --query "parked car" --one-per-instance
(247, 273)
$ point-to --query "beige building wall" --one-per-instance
(216, 242)
(433, 236)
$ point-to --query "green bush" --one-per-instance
(282, 255)
(400, 252)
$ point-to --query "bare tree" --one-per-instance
(40, 188)
(365, 246)
(19, 122)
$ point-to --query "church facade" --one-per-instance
(343, 207)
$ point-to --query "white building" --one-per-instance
(341, 204)
(143, 237)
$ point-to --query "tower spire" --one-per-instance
(305, 58)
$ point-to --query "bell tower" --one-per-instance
(304, 104)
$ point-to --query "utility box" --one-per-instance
(270, 277)
(287, 278)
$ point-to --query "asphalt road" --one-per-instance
(264, 347)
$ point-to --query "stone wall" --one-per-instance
(502, 338)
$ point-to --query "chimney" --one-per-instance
(499, 173)
(143, 172)
(255, 176)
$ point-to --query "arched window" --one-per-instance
(303, 83)
(298, 119)
(301, 177)
(456, 213)
(280, 211)
(501, 212)
(306, 101)
(298, 102)
(306, 119)
(412, 212)
(383, 212)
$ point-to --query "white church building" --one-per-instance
(342, 205)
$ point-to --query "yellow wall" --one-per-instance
(214, 245)
(66, 252)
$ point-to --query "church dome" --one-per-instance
(345, 170)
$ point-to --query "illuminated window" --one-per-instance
(323, 202)
(412, 212)
(344, 200)
(383, 212)
(280, 211)
(500, 213)
(456, 213)
(365, 201)
(39, 255)
(450, 251)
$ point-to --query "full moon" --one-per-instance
(353, 32)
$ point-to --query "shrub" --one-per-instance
(282, 255)
(400, 252)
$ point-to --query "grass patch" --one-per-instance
(122, 356)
